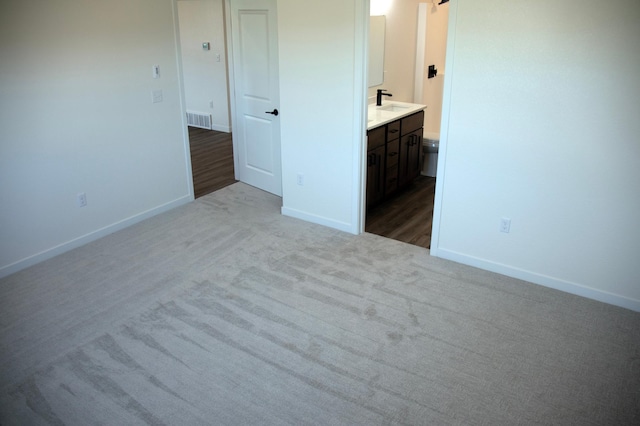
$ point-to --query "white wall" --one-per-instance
(541, 125)
(400, 50)
(205, 79)
(322, 89)
(77, 116)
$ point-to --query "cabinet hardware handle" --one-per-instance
(379, 182)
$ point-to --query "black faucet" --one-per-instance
(379, 96)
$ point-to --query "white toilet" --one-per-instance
(430, 145)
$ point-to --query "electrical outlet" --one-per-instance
(211, 104)
(300, 179)
(82, 199)
(505, 225)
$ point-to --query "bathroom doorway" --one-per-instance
(408, 216)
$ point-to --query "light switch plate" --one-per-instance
(156, 96)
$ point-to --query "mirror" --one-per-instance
(377, 26)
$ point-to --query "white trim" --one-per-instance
(319, 220)
(183, 100)
(231, 85)
(218, 128)
(421, 40)
(361, 59)
(543, 280)
(444, 129)
(90, 237)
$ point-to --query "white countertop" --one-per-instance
(390, 111)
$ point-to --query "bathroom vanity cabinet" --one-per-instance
(394, 156)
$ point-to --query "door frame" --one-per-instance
(231, 85)
(444, 128)
(444, 131)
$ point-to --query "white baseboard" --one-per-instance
(341, 226)
(543, 280)
(87, 238)
(218, 128)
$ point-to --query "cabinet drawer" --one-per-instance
(412, 122)
(393, 130)
(393, 151)
(376, 137)
(391, 181)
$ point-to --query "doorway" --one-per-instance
(252, 153)
(408, 216)
(204, 72)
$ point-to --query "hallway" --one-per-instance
(211, 160)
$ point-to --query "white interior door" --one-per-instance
(254, 33)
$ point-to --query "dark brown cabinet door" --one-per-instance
(375, 175)
(410, 157)
(391, 167)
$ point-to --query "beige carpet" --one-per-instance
(225, 312)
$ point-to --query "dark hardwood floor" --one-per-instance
(211, 160)
(408, 216)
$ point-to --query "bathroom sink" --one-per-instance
(389, 111)
(393, 108)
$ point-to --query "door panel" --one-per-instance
(255, 53)
(259, 156)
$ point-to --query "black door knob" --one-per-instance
(274, 112)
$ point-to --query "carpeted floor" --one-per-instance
(225, 312)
